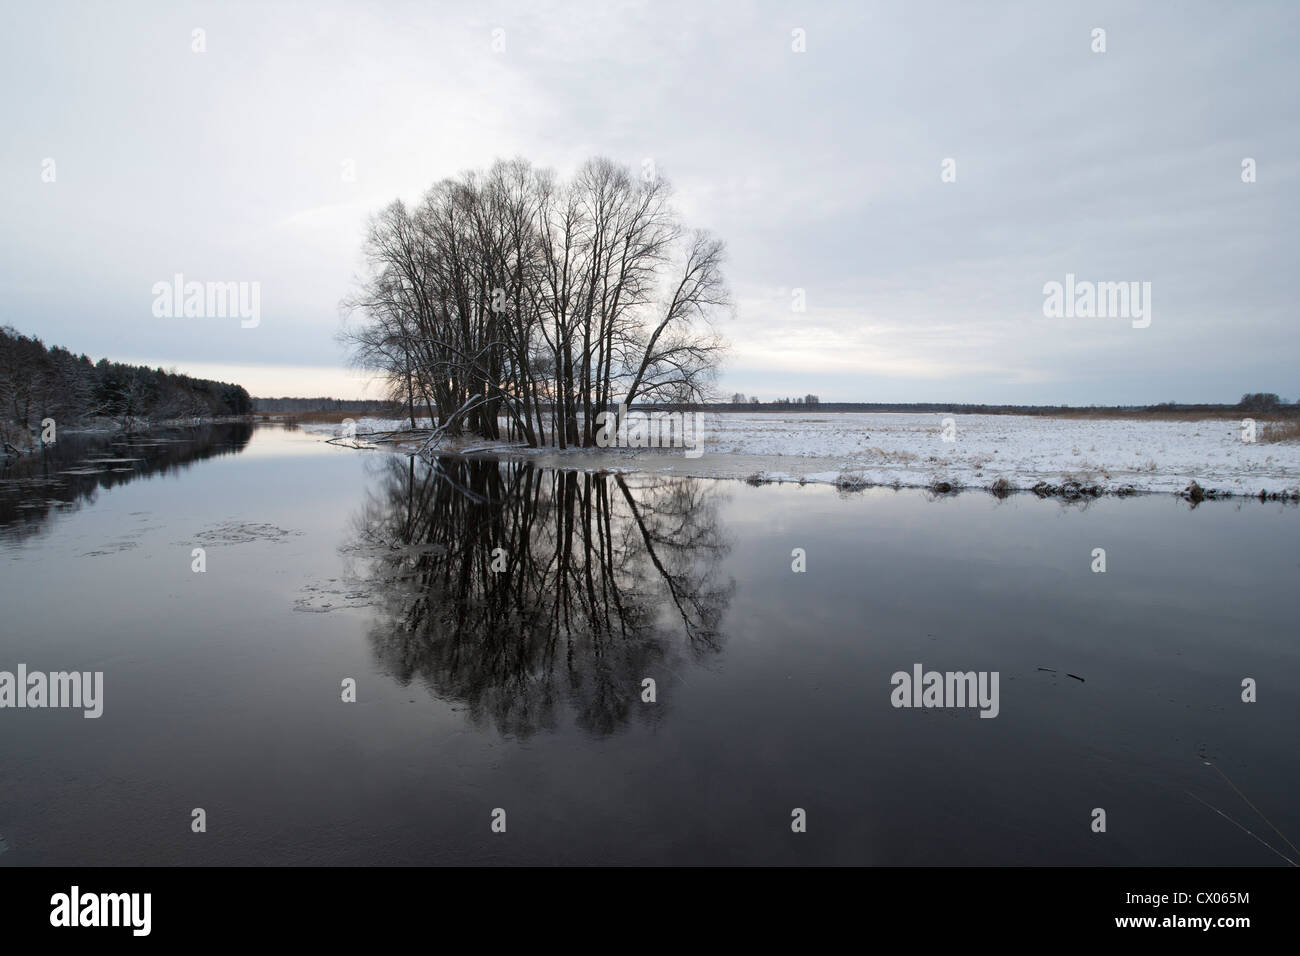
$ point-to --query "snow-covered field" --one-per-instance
(909, 450)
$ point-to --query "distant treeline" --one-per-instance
(1255, 403)
(39, 382)
(371, 406)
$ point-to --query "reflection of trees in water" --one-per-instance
(604, 581)
(72, 470)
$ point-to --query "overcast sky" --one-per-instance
(821, 169)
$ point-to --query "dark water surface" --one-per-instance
(521, 688)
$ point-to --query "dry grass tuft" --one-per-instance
(851, 481)
(1288, 430)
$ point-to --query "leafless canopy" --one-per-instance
(508, 296)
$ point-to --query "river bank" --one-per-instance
(1052, 457)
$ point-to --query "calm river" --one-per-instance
(501, 625)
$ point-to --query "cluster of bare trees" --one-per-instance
(797, 400)
(738, 398)
(509, 295)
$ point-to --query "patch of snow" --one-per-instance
(908, 450)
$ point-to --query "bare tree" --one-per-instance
(510, 295)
